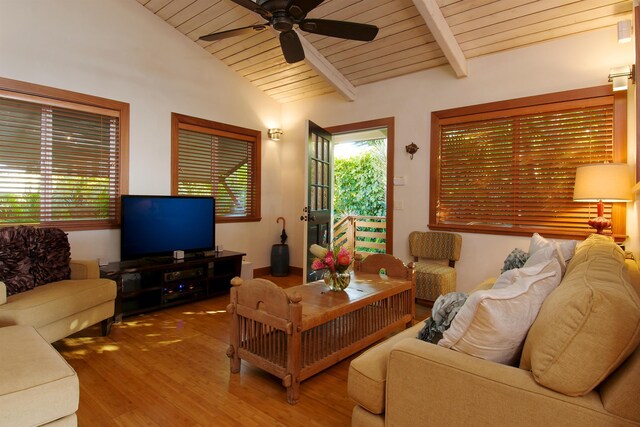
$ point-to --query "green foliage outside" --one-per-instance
(70, 199)
(360, 183)
(360, 187)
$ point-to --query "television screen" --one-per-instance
(159, 225)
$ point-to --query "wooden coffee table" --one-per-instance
(295, 333)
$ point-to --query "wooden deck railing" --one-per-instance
(364, 234)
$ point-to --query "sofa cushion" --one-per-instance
(37, 385)
(15, 264)
(367, 379)
(588, 326)
(493, 324)
(48, 303)
(50, 254)
(620, 391)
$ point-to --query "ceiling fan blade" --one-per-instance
(253, 7)
(291, 46)
(340, 29)
(299, 8)
(232, 33)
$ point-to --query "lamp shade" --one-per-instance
(609, 182)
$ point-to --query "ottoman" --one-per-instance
(37, 386)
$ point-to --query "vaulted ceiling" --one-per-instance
(414, 35)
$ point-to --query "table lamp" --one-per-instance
(602, 182)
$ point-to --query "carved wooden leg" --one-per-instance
(293, 388)
(105, 326)
(234, 330)
(235, 360)
(294, 351)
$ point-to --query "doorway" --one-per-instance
(319, 211)
(363, 201)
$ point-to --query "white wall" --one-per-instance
(117, 49)
(569, 63)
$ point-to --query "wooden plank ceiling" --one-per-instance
(404, 44)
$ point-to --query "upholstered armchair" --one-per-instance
(434, 254)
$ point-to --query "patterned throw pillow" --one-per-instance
(515, 259)
(50, 255)
(15, 264)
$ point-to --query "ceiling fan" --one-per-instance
(282, 15)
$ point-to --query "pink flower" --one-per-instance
(344, 257)
(328, 260)
(317, 264)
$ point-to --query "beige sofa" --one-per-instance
(59, 309)
(580, 364)
(41, 286)
(37, 386)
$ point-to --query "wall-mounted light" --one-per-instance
(620, 76)
(274, 134)
(625, 30)
(411, 149)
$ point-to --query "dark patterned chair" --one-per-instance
(434, 254)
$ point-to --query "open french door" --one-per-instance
(318, 211)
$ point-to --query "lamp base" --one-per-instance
(600, 223)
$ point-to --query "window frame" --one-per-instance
(619, 104)
(50, 96)
(254, 137)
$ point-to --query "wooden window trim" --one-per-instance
(181, 121)
(495, 109)
(31, 92)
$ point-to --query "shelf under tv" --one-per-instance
(153, 283)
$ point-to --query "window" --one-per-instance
(509, 167)
(219, 160)
(60, 157)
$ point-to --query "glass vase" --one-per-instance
(337, 281)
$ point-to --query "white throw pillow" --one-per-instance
(549, 252)
(493, 324)
(567, 247)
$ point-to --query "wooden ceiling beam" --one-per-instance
(323, 67)
(443, 35)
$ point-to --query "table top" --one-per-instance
(319, 304)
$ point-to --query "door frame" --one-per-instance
(389, 123)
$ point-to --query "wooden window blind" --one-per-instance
(510, 167)
(59, 159)
(219, 160)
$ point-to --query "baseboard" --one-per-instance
(266, 271)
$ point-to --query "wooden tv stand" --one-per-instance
(152, 283)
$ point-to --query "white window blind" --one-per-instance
(59, 163)
(219, 163)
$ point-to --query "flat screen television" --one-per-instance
(158, 225)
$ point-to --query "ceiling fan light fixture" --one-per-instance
(283, 15)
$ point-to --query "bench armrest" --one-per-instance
(84, 269)
(432, 385)
(3, 293)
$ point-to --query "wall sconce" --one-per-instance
(625, 30)
(411, 149)
(620, 76)
(274, 134)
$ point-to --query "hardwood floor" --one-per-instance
(169, 368)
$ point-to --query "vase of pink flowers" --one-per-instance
(336, 262)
